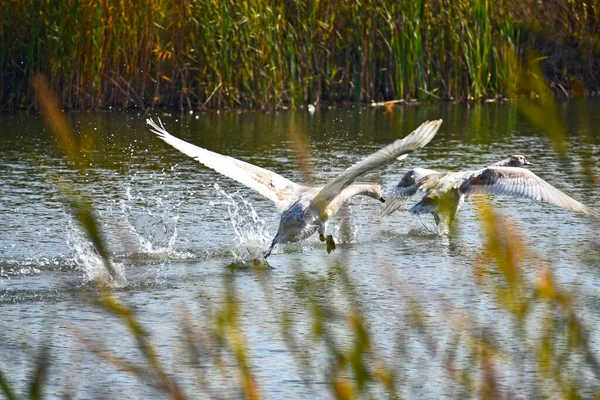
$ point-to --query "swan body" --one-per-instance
(304, 209)
(445, 193)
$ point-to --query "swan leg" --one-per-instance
(330, 244)
(439, 224)
(437, 219)
(328, 239)
(443, 223)
(423, 224)
(267, 253)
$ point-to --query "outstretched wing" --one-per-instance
(410, 183)
(521, 182)
(417, 139)
(265, 182)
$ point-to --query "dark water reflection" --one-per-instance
(173, 233)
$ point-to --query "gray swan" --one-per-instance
(304, 209)
(445, 192)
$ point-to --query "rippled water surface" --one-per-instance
(174, 229)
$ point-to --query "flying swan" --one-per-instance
(304, 209)
(445, 192)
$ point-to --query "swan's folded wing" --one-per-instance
(417, 139)
(521, 182)
(265, 182)
(410, 183)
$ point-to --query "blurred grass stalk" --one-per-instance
(355, 367)
(83, 213)
(225, 332)
(540, 308)
(81, 209)
(273, 53)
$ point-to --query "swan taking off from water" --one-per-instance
(304, 209)
(445, 192)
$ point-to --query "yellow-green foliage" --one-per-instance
(264, 54)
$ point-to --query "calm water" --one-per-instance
(174, 227)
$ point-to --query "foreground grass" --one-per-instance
(553, 341)
(271, 54)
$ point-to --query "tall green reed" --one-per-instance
(273, 54)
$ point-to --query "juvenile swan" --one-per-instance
(305, 210)
(445, 192)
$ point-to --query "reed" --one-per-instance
(269, 54)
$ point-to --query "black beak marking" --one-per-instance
(381, 199)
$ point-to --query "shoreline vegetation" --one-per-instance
(273, 54)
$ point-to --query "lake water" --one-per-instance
(175, 228)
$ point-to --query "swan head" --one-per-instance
(516, 160)
(375, 192)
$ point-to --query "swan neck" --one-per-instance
(373, 191)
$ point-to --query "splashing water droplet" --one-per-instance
(154, 228)
(87, 259)
(250, 230)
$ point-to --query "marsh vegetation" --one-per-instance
(276, 54)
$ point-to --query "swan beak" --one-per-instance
(528, 163)
(381, 199)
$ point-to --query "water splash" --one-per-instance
(154, 230)
(251, 233)
(12, 267)
(345, 229)
(32, 266)
(87, 260)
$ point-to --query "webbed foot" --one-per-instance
(330, 244)
(322, 237)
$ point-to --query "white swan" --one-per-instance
(445, 192)
(305, 210)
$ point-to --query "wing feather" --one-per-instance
(521, 182)
(417, 139)
(267, 183)
(410, 183)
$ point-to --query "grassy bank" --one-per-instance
(268, 54)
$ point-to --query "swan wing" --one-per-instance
(417, 139)
(411, 182)
(265, 182)
(521, 182)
